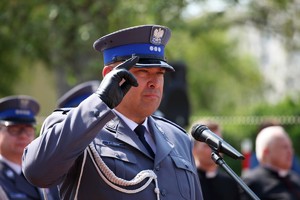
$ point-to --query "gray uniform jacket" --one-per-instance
(56, 156)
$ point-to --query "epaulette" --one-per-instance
(170, 122)
(62, 110)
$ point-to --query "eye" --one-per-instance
(161, 72)
(141, 73)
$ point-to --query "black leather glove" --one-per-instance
(111, 91)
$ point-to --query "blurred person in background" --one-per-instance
(273, 178)
(17, 130)
(215, 183)
(253, 159)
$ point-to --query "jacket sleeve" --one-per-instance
(198, 190)
(64, 136)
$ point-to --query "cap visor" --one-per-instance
(147, 63)
(8, 123)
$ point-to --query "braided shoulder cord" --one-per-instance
(112, 180)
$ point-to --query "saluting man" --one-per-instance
(111, 146)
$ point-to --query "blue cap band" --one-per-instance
(130, 49)
(13, 113)
(76, 101)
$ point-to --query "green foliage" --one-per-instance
(15, 45)
(221, 79)
(61, 33)
(287, 107)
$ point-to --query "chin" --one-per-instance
(149, 112)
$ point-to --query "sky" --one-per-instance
(197, 8)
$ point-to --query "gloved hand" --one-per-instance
(111, 91)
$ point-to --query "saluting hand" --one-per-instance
(111, 91)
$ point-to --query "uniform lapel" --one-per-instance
(125, 134)
(163, 146)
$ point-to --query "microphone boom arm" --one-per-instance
(220, 161)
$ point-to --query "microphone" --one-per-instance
(203, 134)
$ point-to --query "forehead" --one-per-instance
(281, 141)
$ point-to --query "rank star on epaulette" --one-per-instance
(157, 35)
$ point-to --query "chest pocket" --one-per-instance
(117, 157)
(184, 174)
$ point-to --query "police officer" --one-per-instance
(17, 129)
(111, 146)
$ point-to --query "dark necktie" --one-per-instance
(140, 130)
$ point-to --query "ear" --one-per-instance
(106, 70)
(266, 151)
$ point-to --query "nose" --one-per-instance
(153, 82)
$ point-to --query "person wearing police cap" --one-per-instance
(17, 129)
(111, 146)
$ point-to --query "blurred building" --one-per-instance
(279, 67)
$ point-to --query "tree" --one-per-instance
(61, 33)
(221, 79)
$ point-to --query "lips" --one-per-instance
(152, 95)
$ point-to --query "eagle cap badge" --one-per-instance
(23, 103)
(156, 35)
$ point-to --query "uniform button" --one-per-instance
(157, 168)
(10, 174)
(163, 192)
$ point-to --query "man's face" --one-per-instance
(143, 100)
(202, 153)
(280, 153)
(14, 138)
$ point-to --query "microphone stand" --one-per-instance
(220, 161)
